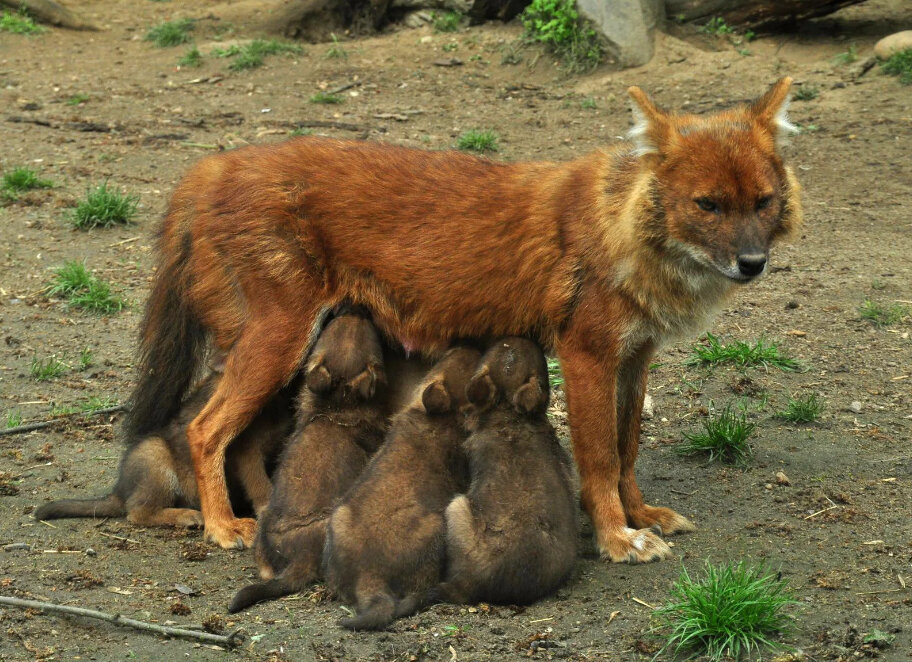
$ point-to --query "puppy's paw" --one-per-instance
(189, 518)
(231, 534)
(668, 520)
(626, 545)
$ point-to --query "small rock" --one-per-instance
(855, 406)
(648, 407)
(448, 62)
(798, 333)
(16, 546)
(90, 552)
(768, 486)
(898, 41)
(791, 305)
(782, 479)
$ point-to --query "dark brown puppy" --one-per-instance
(156, 485)
(513, 537)
(340, 425)
(386, 542)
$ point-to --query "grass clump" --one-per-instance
(806, 93)
(557, 25)
(81, 289)
(761, 353)
(94, 403)
(899, 64)
(336, 52)
(477, 140)
(323, 97)
(716, 26)
(43, 370)
(78, 99)
(171, 33)
(104, 207)
(880, 315)
(19, 180)
(192, 58)
(848, 57)
(13, 419)
(19, 23)
(732, 610)
(724, 437)
(250, 56)
(802, 410)
(555, 376)
(446, 22)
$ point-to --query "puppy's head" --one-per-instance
(444, 388)
(347, 360)
(513, 370)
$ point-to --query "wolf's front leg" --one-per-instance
(590, 365)
(631, 390)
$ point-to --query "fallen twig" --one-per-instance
(821, 511)
(325, 124)
(28, 427)
(232, 640)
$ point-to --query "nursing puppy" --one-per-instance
(156, 485)
(512, 538)
(386, 542)
(340, 425)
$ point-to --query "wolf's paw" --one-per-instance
(231, 534)
(627, 545)
(189, 518)
(668, 521)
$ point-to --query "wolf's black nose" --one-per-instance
(751, 265)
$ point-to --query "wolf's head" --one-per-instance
(720, 191)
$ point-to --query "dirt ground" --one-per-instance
(840, 532)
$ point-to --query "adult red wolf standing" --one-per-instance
(600, 260)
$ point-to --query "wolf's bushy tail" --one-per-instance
(268, 590)
(107, 506)
(172, 344)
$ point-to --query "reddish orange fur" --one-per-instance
(600, 259)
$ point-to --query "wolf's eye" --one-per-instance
(707, 205)
(764, 202)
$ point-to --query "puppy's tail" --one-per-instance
(268, 590)
(107, 506)
(379, 612)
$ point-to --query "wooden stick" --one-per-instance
(43, 424)
(232, 640)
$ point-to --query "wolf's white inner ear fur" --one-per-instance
(772, 107)
(782, 125)
(650, 124)
(638, 134)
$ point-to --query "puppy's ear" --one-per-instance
(652, 131)
(318, 378)
(436, 399)
(365, 384)
(771, 111)
(481, 390)
(530, 397)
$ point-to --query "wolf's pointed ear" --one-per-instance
(318, 378)
(771, 110)
(651, 131)
(436, 399)
(365, 384)
(481, 391)
(530, 397)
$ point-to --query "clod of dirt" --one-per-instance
(83, 579)
(214, 624)
(194, 551)
(180, 609)
(45, 454)
(782, 479)
(7, 487)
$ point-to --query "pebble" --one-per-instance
(648, 407)
(15, 546)
(782, 479)
(898, 41)
(90, 552)
(855, 406)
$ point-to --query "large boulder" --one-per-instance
(628, 26)
(894, 43)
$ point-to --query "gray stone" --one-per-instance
(648, 407)
(855, 406)
(894, 43)
(627, 25)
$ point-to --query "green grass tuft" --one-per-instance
(848, 57)
(104, 207)
(557, 25)
(336, 51)
(883, 316)
(724, 437)
(171, 33)
(85, 358)
(732, 610)
(716, 26)
(899, 64)
(806, 93)
(251, 56)
(555, 376)
(323, 97)
(83, 290)
(78, 99)
(447, 21)
(19, 23)
(19, 180)
(94, 403)
(43, 370)
(13, 419)
(192, 58)
(802, 410)
(761, 353)
(477, 140)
